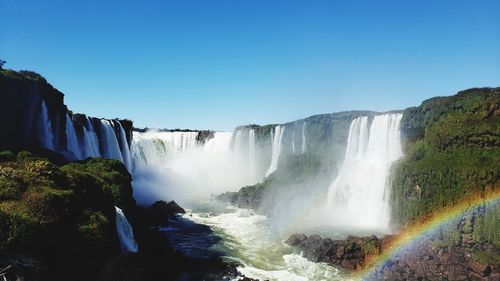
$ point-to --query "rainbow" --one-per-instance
(427, 227)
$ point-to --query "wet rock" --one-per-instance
(295, 239)
(161, 211)
(349, 253)
(424, 261)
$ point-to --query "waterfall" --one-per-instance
(72, 139)
(125, 148)
(251, 149)
(125, 232)
(293, 141)
(357, 140)
(155, 148)
(220, 143)
(238, 142)
(44, 126)
(90, 141)
(109, 142)
(244, 145)
(358, 197)
(173, 166)
(276, 137)
(304, 137)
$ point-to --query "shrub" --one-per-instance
(7, 156)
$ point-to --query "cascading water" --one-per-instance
(304, 137)
(238, 143)
(109, 142)
(72, 139)
(125, 232)
(127, 161)
(251, 149)
(220, 143)
(358, 197)
(173, 165)
(244, 145)
(276, 137)
(90, 141)
(155, 148)
(44, 126)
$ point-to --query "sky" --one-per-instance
(217, 64)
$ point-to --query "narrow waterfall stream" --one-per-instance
(125, 232)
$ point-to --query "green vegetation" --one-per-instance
(51, 212)
(485, 257)
(295, 172)
(488, 225)
(453, 151)
(21, 75)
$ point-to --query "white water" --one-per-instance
(304, 137)
(276, 137)
(72, 139)
(127, 161)
(156, 148)
(173, 166)
(125, 233)
(251, 151)
(358, 197)
(109, 142)
(248, 238)
(90, 141)
(44, 126)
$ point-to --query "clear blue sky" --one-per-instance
(218, 64)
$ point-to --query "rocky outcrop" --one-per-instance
(424, 261)
(452, 146)
(349, 253)
(204, 136)
(159, 213)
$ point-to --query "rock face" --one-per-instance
(427, 262)
(311, 152)
(452, 146)
(23, 94)
(349, 253)
(159, 213)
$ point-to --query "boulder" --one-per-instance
(161, 211)
(349, 253)
(296, 239)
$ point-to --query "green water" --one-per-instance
(250, 240)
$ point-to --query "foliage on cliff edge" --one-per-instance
(62, 216)
(452, 147)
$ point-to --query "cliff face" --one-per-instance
(452, 151)
(62, 216)
(305, 170)
(30, 108)
(452, 147)
(21, 97)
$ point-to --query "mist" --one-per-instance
(176, 166)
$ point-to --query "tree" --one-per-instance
(2, 62)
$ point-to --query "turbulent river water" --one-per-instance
(175, 165)
(250, 240)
